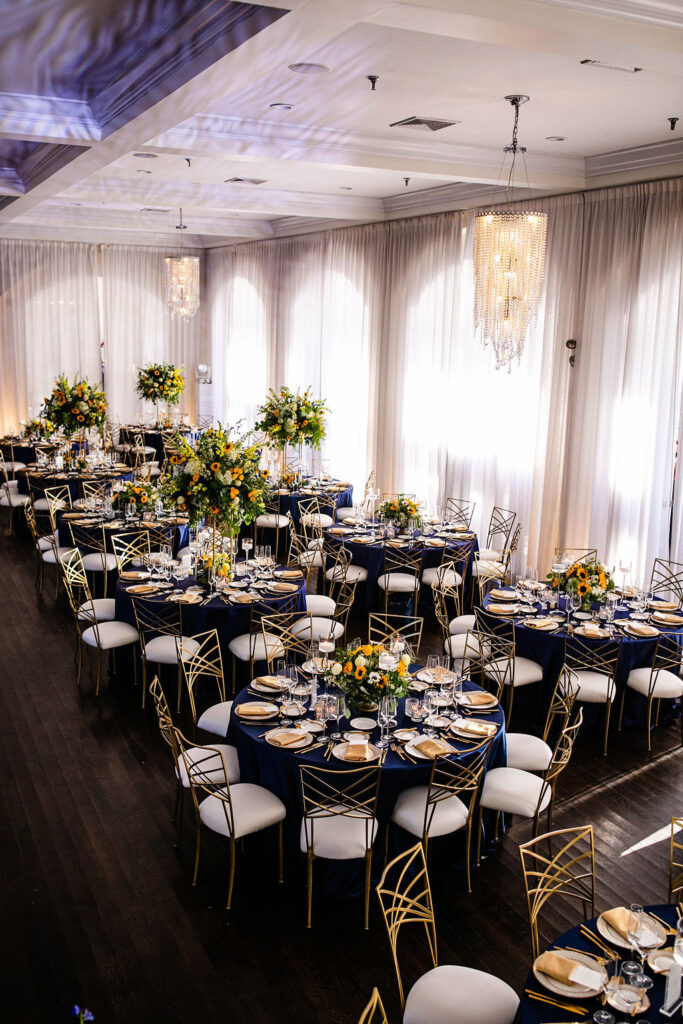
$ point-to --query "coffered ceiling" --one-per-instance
(115, 113)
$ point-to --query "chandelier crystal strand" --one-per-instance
(509, 265)
(182, 281)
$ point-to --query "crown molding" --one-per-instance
(45, 161)
(638, 158)
(10, 182)
(667, 13)
(47, 119)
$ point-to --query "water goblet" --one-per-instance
(430, 704)
(383, 719)
(247, 545)
(340, 712)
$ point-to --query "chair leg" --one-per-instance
(80, 662)
(368, 863)
(480, 814)
(649, 723)
(197, 843)
(608, 711)
(178, 684)
(231, 879)
(621, 709)
(99, 670)
(468, 854)
(177, 818)
(144, 681)
(309, 887)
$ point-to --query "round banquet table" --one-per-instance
(154, 438)
(371, 556)
(93, 523)
(42, 479)
(329, 496)
(23, 449)
(532, 1011)
(547, 649)
(277, 769)
(230, 620)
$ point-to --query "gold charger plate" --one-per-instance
(339, 751)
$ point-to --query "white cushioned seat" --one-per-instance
(12, 466)
(253, 807)
(449, 578)
(309, 559)
(318, 626)
(594, 687)
(667, 685)
(252, 645)
(526, 752)
(271, 521)
(339, 837)
(98, 561)
(13, 499)
(457, 642)
(111, 634)
(525, 671)
(461, 624)
(162, 649)
(47, 542)
(514, 792)
(323, 520)
(491, 568)
(460, 995)
(216, 718)
(320, 604)
(398, 582)
(50, 556)
(43, 505)
(345, 513)
(10, 485)
(354, 573)
(104, 607)
(211, 766)
(409, 812)
(490, 554)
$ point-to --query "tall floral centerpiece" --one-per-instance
(289, 417)
(80, 406)
(40, 428)
(367, 672)
(218, 480)
(400, 511)
(160, 382)
(591, 580)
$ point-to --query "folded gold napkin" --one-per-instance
(642, 629)
(290, 574)
(592, 629)
(664, 606)
(476, 728)
(272, 682)
(397, 543)
(190, 598)
(133, 574)
(286, 739)
(439, 673)
(478, 697)
(674, 620)
(543, 623)
(337, 530)
(143, 589)
(340, 485)
(243, 598)
(363, 540)
(618, 918)
(253, 710)
(435, 542)
(502, 609)
(284, 588)
(357, 752)
(431, 748)
(558, 967)
(503, 595)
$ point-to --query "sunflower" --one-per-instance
(214, 510)
(348, 668)
(215, 466)
(367, 650)
(582, 574)
(583, 589)
(360, 672)
(143, 498)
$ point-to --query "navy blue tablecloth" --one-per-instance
(74, 481)
(119, 525)
(288, 501)
(20, 451)
(278, 770)
(533, 1012)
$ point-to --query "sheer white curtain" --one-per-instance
(48, 321)
(138, 328)
(627, 386)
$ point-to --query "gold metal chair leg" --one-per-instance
(231, 879)
(468, 855)
(197, 843)
(649, 723)
(80, 662)
(309, 888)
(179, 684)
(144, 681)
(608, 711)
(621, 709)
(99, 670)
(480, 814)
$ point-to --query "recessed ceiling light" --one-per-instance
(280, 106)
(304, 68)
(346, 188)
(556, 138)
(142, 170)
(145, 156)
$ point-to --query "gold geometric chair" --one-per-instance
(595, 663)
(661, 680)
(94, 490)
(105, 634)
(204, 666)
(401, 572)
(558, 863)
(339, 819)
(578, 556)
(160, 626)
(531, 753)
(313, 517)
(271, 519)
(381, 628)
(9, 495)
(281, 638)
(498, 536)
(667, 578)
(459, 511)
(53, 499)
(675, 861)
(374, 1012)
(42, 545)
(446, 804)
(299, 555)
(251, 646)
(96, 558)
(130, 549)
(339, 565)
(525, 671)
(406, 899)
(232, 810)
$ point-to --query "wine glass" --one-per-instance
(624, 569)
(383, 719)
(575, 603)
(603, 1017)
(433, 662)
(678, 942)
(634, 929)
(431, 707)
(339, 705)
(247, 545)
(326, 646)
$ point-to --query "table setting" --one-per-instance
(330, 492)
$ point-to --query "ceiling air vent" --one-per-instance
(244, 181)
(431, 124)
(154, 209)
(608, 67)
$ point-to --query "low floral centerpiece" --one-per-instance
(40, 427)
(400, 511)
(367, 672)
(141, 495)
(289, 417)
(218, 565)
(591, 580)
(80, 406)
(160, 382)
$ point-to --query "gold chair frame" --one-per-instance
(36, 537)
(168, 734)
(667, 658)
(675, 861)
(382, 626)
(405, 561)
(130, 547)
(460, 511)
(667, 577)
(206, 663)
(578, 555)
(374, 1012)
(161, 620)
(596, 656)
(500, 525)
(94, 489)
(277, 635)
(84, 537)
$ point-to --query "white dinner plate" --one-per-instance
(411, 748)
(305, 738)
(572, 990)
(582, 615)
(425, 675)
(340, 753)
(615, 939)
(661, 960)
(270, 711)
(314, 665)
(459, 729)
(310, 725)
(406, 735)
(363, 724)
(262, 688)
(437, 722)
(464, 699)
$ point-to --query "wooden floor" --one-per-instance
(96, 903)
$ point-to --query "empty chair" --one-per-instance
(159, 626)
(454, 630)
(279, 639)
(313, 519)
(339, 820)
(251, 646)
(202, 668)
(307, 559)
(402, 571)
(498, 534)
(532, 753)
(271, 519)
(93, 547)
(459, 512)
(444, 995)
(45, 546)
(525, 671)
(578, 556)
(374, 1010)
(339, 565)
(595, 664)
(382, 627)
(667, 579)
(349, 512)
(10, 498)
(558, 864)
(130, 549)
(661, 680)
(675, 861)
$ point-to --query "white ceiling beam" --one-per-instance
(47, 119)
(120, 219)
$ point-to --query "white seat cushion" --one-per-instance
(318, 626)
(211, 766)
(345, 513)
(320, 604)
(398, 582)
(409, 812)
(666, 684)
(309, 559)
(526, 752)
(162, 649)
(459, 646)
(488, 567)
(105, 609)
(254, 808)
(354, 573)
(594, 687)
(449, 578)
(111, 634)
(461, 624)
(98, 561)
(216, 718)
(10, 485)
(12, 499)
(460, 995)
(490, 554)
(252, 645)
(340, 836)
(524, 671)
(47, 542)
(271, 521)
(50, 556)
(14, 465)
(323, 520)
(514, 791)
(43, 505)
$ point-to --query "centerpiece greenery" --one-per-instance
(356, 671)
(160, 382)
(77, 406)
(400, 511)
(289, 417)
(142, 495)
(219, 562)
(591, 580)
(40, 427)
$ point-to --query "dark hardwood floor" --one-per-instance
(97, 906)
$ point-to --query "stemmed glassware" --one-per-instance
(326, 646)
(625, 570)
(247, 545)
(575, 603)
(430, 704)
(384, 721)
(339, 705)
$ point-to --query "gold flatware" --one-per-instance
(667, 927)
(397, 750)
(599, 959)
(569, 1007)
(588, 934)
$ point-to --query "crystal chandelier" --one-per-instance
(509, 264)
(182, 282)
